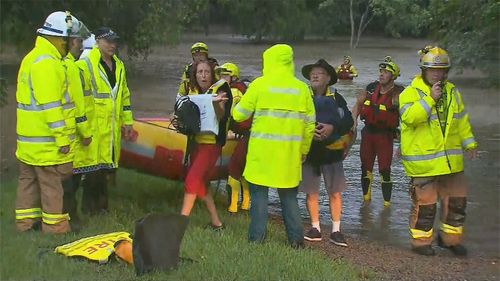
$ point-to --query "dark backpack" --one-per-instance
(187, 117)
(157, 241)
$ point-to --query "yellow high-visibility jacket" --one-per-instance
(76, 118)
(41, 123)
(95, 248)
(283, 122)
(111, 110)
(425, 150)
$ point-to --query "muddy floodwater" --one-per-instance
(154, 85)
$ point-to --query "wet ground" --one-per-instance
(374, 231)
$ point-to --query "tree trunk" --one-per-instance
(352, 25)
(363, 24)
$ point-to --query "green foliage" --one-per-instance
(469, 30)
(278, 19)
(140, 23)
(226, 256)
(396, 18)
(402, 17)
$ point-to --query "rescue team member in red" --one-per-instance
(45, 127)
(346, 71)
(231, 73)
(377, 106)
(435, 132)
(207, 149)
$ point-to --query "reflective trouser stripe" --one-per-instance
(54, 218)
(32, 213)
(449, 229)
(418, 234)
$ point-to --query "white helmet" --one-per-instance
(89, 42)
(63, 24)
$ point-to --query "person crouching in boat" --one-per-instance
(231, 73)
(207, 147)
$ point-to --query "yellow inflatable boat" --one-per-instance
(159, 150)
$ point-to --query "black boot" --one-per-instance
(458, 250)
(424, 250)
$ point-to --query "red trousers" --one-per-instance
(376, 145)
(203, 159)
(238, 159)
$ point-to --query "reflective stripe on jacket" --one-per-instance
(75, 112)
(283, 121)
(41, 124)
(111, 110)
(425, 149)
(86, 158)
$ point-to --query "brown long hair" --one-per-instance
(193, 84)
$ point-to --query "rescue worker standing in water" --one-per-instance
(435, 132)
(45, 129)
(105, 72)
(377, 106)
(346, 71)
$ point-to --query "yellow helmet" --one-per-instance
(199, 47)
(228, 68)
(434, 57)
(347, 58)
(390, 66)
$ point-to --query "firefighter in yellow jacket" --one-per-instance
(105, 73)
(282, 130)
(45, 127)
(435, 132)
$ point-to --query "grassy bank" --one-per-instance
(226, 256)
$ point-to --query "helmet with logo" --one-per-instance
(434, 57)
(390, 66)
(199, 47)
(228, 69)
(63, 24)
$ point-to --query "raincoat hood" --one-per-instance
(278, 58)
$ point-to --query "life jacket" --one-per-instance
(377, 110)
(344, 71)
(240, 128)
(97, 248)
